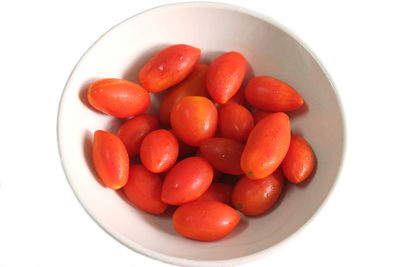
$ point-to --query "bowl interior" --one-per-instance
(214, 28)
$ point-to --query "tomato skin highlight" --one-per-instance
(254, 197)
(218, 192)
(193, 85)
(133, 131)
(118, 97)
(110, 159)
(159, 150)
(299, 161)
(225, 76)
(143, 190)
(259, 115)
(270, 94)
(168, 67)
(205, 220)
(194, 119)
(223, 154)
(266, 146)
(187, 181)
(235, 122)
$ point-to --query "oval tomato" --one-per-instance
(134, 130)
(187, 181)
(118, 97)
(254, 197)
(235, 122)
(225, 76)
(159, 151)
(110, 159)
(223, 154)
(143, 190)
(205, 220)
(193, 85)
(216, 174)
(168, 67)
(219, 192)
(266, 146)
(259, 115)
(194, 119)
(299, 161)
(271, 94)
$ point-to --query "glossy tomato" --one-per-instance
(235, 122)
(219, 192)
(194, 119)
(118, 97)
(143, 189)
(187, 181)
(225, 76)
(168, 67)
(299, 161)
(134, 130)
(205, 220)
(110, 159)
(271, 94)
(224, 154)
(159, 150)
(193, 85)
(266, 146)
(254, 197)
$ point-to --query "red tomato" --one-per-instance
(299, 161)
(238, 98)
(205, 220)
(168, 67)
(159, 151)
(271, 94)
(193, 85)
(225, 76)
(259, 115)
(235, 122)
(194, 119)
(253, 197)
(187, 181)
(223, 154)
(143, 189)
(134, 130)
(216, 174)
(118, 97)
(219, 192)
(266, 146)
(110, 159)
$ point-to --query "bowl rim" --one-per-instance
(182, 261)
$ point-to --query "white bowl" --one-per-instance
(215, 28)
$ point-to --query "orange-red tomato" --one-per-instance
(219, 192)
(205, 220)
(194, 119)
(299, 161)
(168, 67)
(259, 115)
(271, 94)
(118, 97)
(193, 85)
(134, 130)
(217, 174)
(225, 76)
(254, 197)
(266, 146)
(159, 151)
(110, 159)
(143, 189)
(223, 154)
(235, 122)
(187, 181)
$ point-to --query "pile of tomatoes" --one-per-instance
(213, 150)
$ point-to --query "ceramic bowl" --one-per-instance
(271, 50)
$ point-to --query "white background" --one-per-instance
(41, 222)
